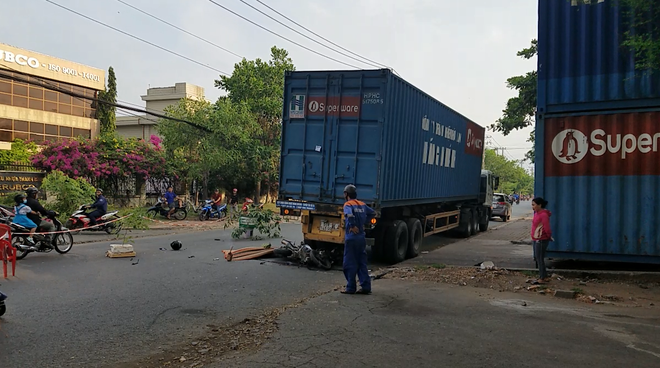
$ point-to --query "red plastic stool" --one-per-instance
(7, 251)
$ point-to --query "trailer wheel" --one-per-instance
(396, 242)
(475, 222)
(415, 236)
(485, 221)
(465, 230)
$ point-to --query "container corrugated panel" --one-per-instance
(601, 175)
(581, 63)
(371, 128)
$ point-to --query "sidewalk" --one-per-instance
(494, 245)
(421, 324)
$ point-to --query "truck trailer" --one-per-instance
(414, 160)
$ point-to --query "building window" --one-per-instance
(38, 132)
(36, 97)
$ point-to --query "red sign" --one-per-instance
(320, 106)
(474, 139)
(603, 145)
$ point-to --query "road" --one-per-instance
(85, 310)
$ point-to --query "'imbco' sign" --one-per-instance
(17, 181)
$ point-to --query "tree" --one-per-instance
(520, 111)
(260, 86)
(107, 113)
(20, 151)
(513, 178)
(201, 155)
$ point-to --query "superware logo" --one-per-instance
(621, 144)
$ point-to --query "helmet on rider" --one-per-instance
(32, 192)
(234, 190)
(19, 198)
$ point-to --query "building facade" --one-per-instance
(156, 100)
(31, 109)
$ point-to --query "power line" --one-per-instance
(137, 38)
(181, 29)
(319, 36)
(44, 84)
(307, 37)
(282, 37)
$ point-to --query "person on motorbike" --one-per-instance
(100, 207)
(21, 210)
(216, 197)
(33, 203)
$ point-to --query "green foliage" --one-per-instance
(513, 178)
(20, 151)
(520, 111)
(69, 193)
(107, 113)
(267, 223)
(260, 85)
(137, 218)
(8, 199)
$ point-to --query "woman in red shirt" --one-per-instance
(541, 234)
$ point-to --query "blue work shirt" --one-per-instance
(169, 196)
(356, 214)
(101, 204)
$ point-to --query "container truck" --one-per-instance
(597, 135)
(414, 160)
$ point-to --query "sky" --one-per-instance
(460, 52)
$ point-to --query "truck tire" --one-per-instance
(465, 230)
(415, 236)
(396, 242)
(485, 221)
(475, 222)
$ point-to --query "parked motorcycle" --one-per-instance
(249, 203)
(61, 243)
(79, 221)
(180, 213)
(208, 212)
(3, 307)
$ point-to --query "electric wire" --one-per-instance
(45, 84)
(137, 38)
(181, 29)
(282, 37)
(321, 37)
(307, 37)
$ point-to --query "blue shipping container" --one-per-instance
(601, 174)
(582, 64)
(370, 128)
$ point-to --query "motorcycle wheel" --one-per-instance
(152, 214)
(15, 242)
(114, 227)
(180, 214)
(320, 261)
(63, 243)
(204, 215)
(3, 309)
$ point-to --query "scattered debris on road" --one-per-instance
(613, 292)
(120, 251)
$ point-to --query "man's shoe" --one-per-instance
(363, 292)
(347, 292)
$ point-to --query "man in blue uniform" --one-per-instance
(100, 208)
(356, 214)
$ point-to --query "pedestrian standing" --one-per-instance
(356, 215)
(541, 234)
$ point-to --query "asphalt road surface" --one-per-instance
(85, 310)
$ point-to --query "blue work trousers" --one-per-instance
(355, 263)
